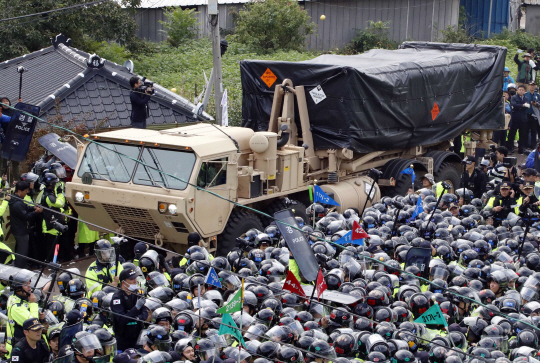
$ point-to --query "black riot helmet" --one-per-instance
(159, 337)
(403, 356)
(289, 355)
(344, 345)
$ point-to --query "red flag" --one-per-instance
(321, 284)
(358, 232)
(291, 284)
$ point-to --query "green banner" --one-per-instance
(235, 332)
(232, 306)
(433, 316)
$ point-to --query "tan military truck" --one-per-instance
(217, 170)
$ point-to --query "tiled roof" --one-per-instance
(60, 81)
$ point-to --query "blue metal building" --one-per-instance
(487, 17)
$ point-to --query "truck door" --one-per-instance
(211, 212)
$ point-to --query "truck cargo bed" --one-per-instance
(420, 94)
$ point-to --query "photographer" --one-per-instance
(473, 178)
(139, 96)
(497, 159)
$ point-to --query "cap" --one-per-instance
(526, 55)
(193, 239)
(456, 327)
(32, 324)
(532, 82)
(530, 172)
(124, 358)
(73, 317)
(506, 69)
(127, 274)
(470, 158)
(453, 205)
(484, 162)
(429, 177)
(505, 185)
(132, 352)
(522, 166)
(528, 185)
(141, 248)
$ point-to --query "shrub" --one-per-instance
(270, 25)
(375, 36)
(181, 25)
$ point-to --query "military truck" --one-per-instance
(329, 120)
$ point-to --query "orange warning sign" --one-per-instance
(434, 111)
(269, 77)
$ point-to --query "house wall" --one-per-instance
(409, 20)
(532, 23)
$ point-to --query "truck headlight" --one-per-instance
(79, 197)
(172, 208)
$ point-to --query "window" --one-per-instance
(104, 163)
(212, 173)
(174, 162)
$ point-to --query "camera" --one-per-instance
(146, 87)
(446, 186)
(492, 155)
(508, 162)
(244, 244)
(374, 174)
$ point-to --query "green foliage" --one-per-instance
(182, 68)
(181, 25)
(456, 34)
(375, 36)
(106, 21)
(270, 25)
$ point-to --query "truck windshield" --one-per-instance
(104, 163)
(174, 162)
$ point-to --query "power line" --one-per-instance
(248, 208)
(55, 10)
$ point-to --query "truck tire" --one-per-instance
(279, 204)
(447, 172)
(238, 224)
(403, 183)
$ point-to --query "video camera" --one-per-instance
(244, 244)
(508, 162)
(146, 87)
(375, 174)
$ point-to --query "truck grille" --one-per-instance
(135, 222)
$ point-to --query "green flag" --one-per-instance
(433, 316)
(232, 306)
(224, 329)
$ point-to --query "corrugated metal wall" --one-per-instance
(477, 12)
(409, 19)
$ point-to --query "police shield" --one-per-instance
(68, 332)
(420, 258)
(297, 244)
(7, 271)
(20, 130)
(61, 149)
(333, 296)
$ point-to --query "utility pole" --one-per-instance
(216, 52)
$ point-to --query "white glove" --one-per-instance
(526, 105)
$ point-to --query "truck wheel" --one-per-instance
(448, 173)
(238, 224)
(403, 183)
(279, 204)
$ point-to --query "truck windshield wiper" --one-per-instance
(94, 172)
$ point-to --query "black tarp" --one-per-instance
(383, 99)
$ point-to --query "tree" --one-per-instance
(270, 25)
(105, 21)
(181, 25)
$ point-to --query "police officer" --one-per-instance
(53, 198)
(126, 305)
(31, 349)
(194, 239)
(21, 306)
(502, 204)
(103, 268)
(473, 178)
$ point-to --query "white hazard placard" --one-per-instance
(317, 94)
